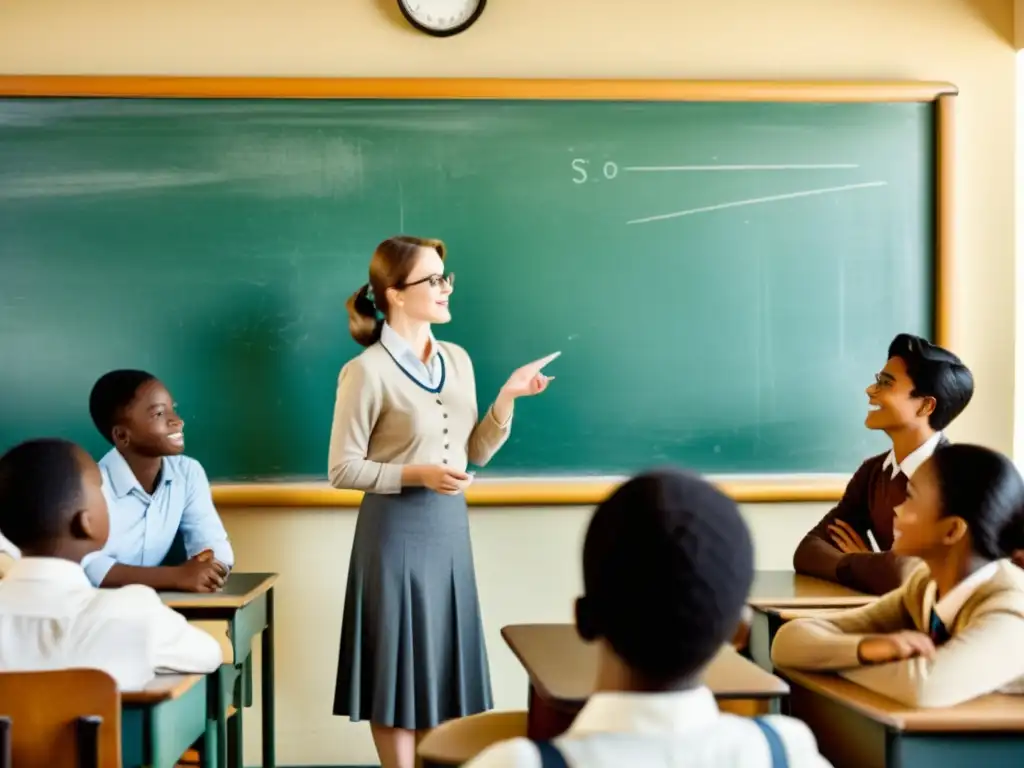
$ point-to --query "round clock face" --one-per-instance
(441, 18)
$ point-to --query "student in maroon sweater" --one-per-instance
(918, 393)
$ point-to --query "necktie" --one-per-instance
(937, 630)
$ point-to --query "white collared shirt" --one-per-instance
(662, 730)
(914, 459)
(949, 605)
(428, 374)
(51, 617)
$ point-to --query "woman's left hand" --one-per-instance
(528, 380)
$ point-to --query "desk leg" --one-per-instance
(267, 676)
(239, 752)
(763, 626)
(210, 757)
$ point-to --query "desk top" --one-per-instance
(238, 591)
(786, 589)
(161, 688)
(996, 712)
(562, 667)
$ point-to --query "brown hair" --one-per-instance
(390, 266)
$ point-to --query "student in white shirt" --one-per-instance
(667, 567)
(52, 508)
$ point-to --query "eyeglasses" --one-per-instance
(434, 280)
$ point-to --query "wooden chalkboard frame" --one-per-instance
(551, 491)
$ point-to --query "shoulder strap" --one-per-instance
(550, 756)
(775, 745)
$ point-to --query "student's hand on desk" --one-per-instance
(879, 649)
(846, 539)
(201, 574)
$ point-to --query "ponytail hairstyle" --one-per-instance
(391, 265)
(984, 488)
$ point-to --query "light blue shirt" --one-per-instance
(143, 527)
(429, 374)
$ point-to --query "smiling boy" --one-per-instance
(918, 393)
(153, 492)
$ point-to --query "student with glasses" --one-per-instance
(918, 393)
(406, 426)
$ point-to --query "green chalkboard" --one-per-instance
(722, 278)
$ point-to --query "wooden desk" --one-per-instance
(856, 728)
(776, 592)
(161, 722)
(246, 603)
(562, 668)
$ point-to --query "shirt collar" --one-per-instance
(949, 604)
(123, 480)
(914, 459)
(400, 348)
(53, 570)
(675, 712)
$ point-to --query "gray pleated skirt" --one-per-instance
(412, 644)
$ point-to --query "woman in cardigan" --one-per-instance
(406, 425)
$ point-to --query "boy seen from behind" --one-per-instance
(52, 508)
(667, 566)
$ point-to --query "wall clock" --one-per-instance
(442, 18)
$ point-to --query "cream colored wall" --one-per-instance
(968, 42)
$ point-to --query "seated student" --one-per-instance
(53, 509)
(667, 566)
(153, 492)
(954, 631)
(918, 393)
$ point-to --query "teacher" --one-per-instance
(405, 427)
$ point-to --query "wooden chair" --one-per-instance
(62, 719)
(459, 741)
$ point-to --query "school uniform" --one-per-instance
(412, 645)
(664, 730)
(143, 526)
(52, 617)
(868, 504)
(978, 629)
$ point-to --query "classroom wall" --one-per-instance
(527, 557)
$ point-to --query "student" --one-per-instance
(918, 393)
(955, 629)
(52, 507)
(667, 566)
(153, 492)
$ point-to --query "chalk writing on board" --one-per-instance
(579, 164)
(756, 201)
(609, 169)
